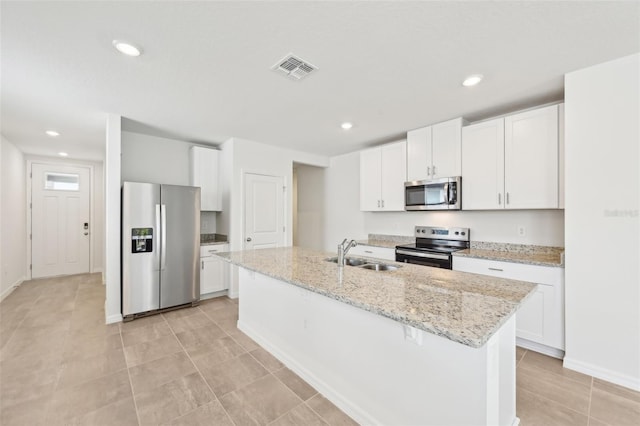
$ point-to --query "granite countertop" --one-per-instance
(211, 239)
(462, 307)
(516, 253)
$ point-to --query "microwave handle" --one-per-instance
(446, 193)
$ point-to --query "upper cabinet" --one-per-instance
(382, 175)
(434, 152)
(511, 162)
(205, 174)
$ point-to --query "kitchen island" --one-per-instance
(416, 345)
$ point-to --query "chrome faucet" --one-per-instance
(344, 249)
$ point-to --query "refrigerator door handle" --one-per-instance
(158, 233)
(163, 237)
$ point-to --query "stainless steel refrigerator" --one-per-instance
(160, 247)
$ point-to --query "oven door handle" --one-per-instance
(422, 254)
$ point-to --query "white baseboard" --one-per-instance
(538, 347)
(97, 271)
(321, 386)
(12, 287)
(213, 295)
(112, 319)
(603, 374)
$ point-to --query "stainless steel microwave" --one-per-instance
(437, 194)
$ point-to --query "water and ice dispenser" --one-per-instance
(141, 240)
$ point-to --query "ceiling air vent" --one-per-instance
(293, 67)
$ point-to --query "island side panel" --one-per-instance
(363, 363)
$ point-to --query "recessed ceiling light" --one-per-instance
(126, 48)
(52, 133)
(472, 80)
(346, 126)
(63, 154)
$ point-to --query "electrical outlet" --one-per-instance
(521, 231)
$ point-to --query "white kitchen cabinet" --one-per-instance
(214, 275)
(205, 173)
(531, 159)
(382, 175)
(435, 151)
(483, 165)
(511, 162)
(540, 320)
(373, 251)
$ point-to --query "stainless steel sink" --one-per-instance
(379, 267)
(348, 261)
(365, 264)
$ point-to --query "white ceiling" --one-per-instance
(205, 72)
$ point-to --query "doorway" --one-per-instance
(263, 211)
(60, 219)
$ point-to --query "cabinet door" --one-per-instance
(370, 179)
(204, 173)
(394, 170)
(445, 147)
(419, 154)
(372, 251)
(531, 159)
(483, 165)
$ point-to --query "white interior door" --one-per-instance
(264, 211)
(60, 228)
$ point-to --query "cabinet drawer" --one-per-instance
(541, 318)
(371, 251)
(209, 250)
(546, 275)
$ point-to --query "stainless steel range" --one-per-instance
(434, 246)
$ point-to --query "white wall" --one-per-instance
(113, 306)
(343, 218)
(241, 156)
(147, 158)
(310, 215)
(602, 281)
(153, 159)
(13, 227)
(97, 207)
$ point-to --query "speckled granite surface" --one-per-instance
(517, 253)
(387, 241)
(465, 308)
(210, 239)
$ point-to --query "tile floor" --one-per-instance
(59, 364)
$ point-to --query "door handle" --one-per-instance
(86, 233)
(249, 239)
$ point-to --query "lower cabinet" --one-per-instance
(540, 320)
(214, 275)
(373, 251)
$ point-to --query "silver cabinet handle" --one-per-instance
(499, 199)
(368, 251)
(507, 198)
(249, 239)
(382, 203)
(428, 170)
(433, 171)
(378, 203)
(202, 262)
(496, 269)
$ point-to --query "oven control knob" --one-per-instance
(433, 232)
(457, 233)
(422, 230)
(462, 233)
